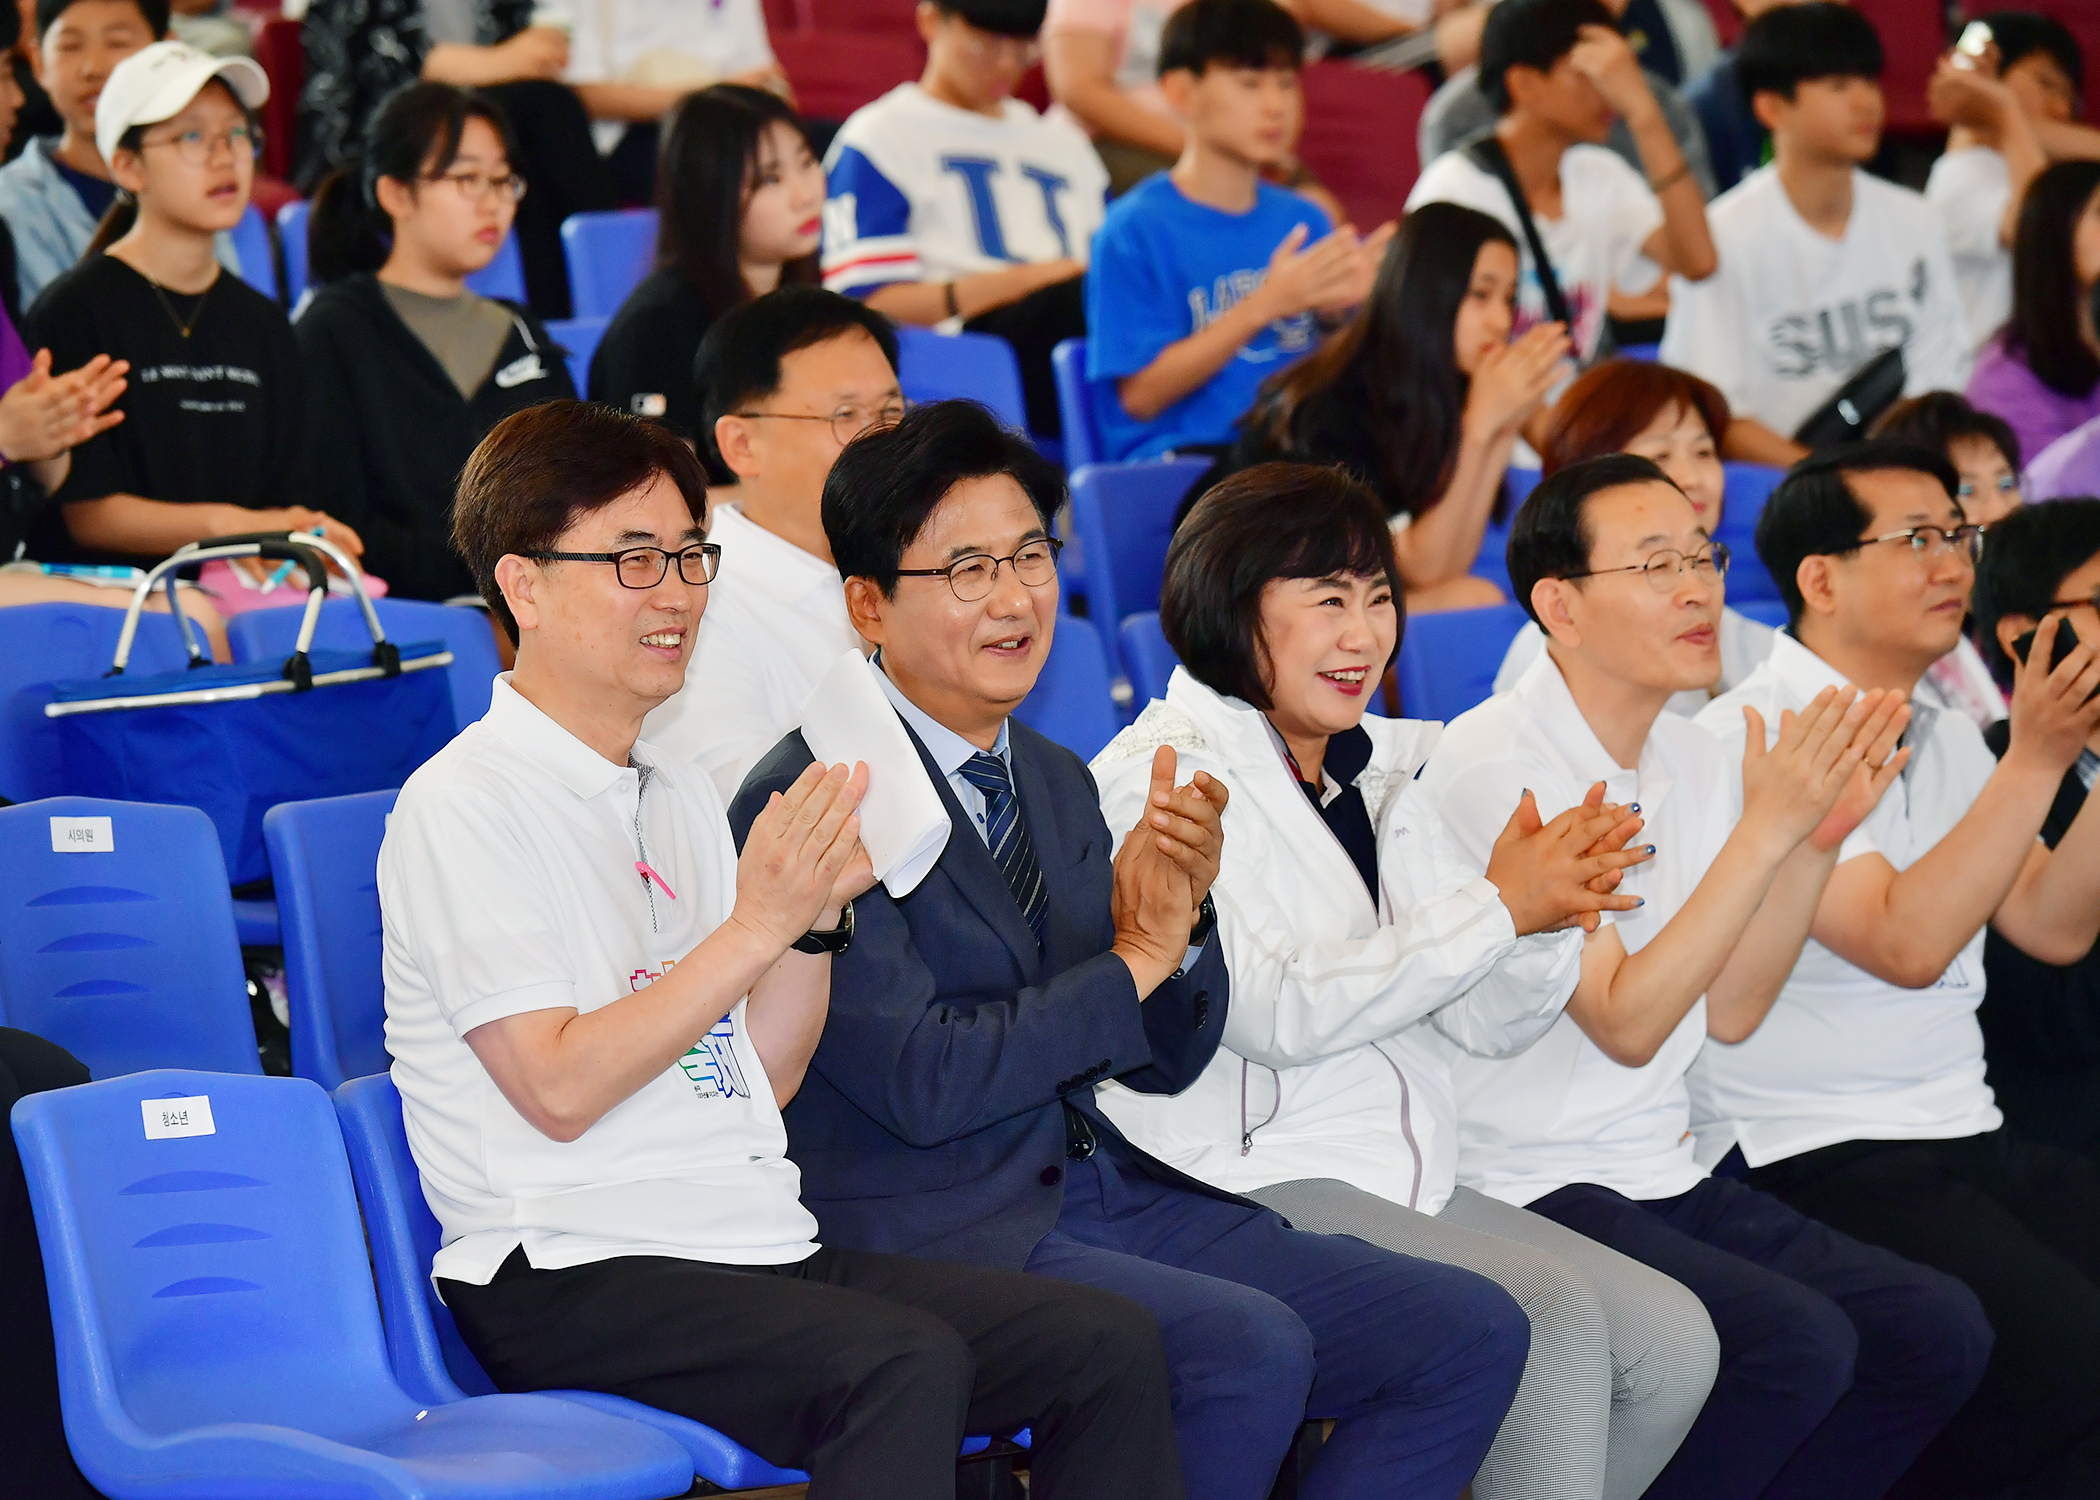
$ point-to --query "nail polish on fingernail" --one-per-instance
(1640, 900)
(1651, 848)
(1636, 807)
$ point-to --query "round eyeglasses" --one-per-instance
(646, 567)
(196, 148)
(974, 577)
(847, 423)
(1662, 569)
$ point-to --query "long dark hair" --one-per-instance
(704, 168)
(1400, 349)
(2044, 328)
(347, 231)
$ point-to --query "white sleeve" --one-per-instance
(1634, 213)
(1970, 203)
(1939, 356)
(1453, 179)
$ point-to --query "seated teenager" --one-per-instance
(790, 379)
(1838, 1361)
(1675, 421)
(1823, 266)
(1206, 279)
(2042, 372)
(2012, 111)
(949, 1109)
(212, 441)
(738, 198)
(406, 369)
(1426, 420)
(1862, 1099)
(1354, 955)
(955, 205)
(592, 1066)
(2040, 1020)
(1558, 74)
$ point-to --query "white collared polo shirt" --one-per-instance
(508, 883)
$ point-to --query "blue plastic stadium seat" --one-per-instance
(43, 643)
(1074, 698)
(978, 366)
(1448, 661)
(324, 860)
(251, 241)
(1124, 516)
(216, 1326)
(291, 234)
(503, 277)
(1647, 354)
(578, 338)
(1150, 659)
(1075, 406)
(608, 254)
(127, 957)
(261, 633)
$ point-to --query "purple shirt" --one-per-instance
(2038, 416)
(14, 359)
(2068, 466)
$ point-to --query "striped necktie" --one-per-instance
(1007, 836)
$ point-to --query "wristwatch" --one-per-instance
(828, 940)
(1206, 923)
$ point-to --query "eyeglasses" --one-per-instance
(847, 423)
(974, 577)
(646, 567)
(2005, 484)
(1662, 569)
(196, 148)
(1933, 542)
(475, 186)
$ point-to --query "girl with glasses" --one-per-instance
(407, 369)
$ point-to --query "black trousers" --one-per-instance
(2020, 1223)
(867, 1370)
(1035, 325)
(564, 174)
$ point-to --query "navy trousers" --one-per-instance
(1265, 1325)
(1839, 1360)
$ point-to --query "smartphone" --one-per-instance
(1974, 45)
(2066, 643)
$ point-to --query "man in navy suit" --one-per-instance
(949, 1108)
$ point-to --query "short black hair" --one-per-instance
(1791, 43)
(889, 481)
(1937, 418)
(2022, 33)
(1275, 520)
(1551, 536)
(739, 359)
(2026, 559)
(154, 11)
(1233, 33)
(1532, 34)
(1814, 513)
(1002, 17)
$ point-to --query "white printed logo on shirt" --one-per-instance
(1294, 334)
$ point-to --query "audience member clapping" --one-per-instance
(1426, 419)
(1558, 73)
(1674, 420)
(739, 195)
(406, 369)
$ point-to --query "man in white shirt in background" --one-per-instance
(597, 1010)
(787, 381)
(2013, 111)
(1823, 267)
(1862, 1099)
(1559, 73)
(1839, 1361)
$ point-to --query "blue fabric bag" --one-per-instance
(237, 740)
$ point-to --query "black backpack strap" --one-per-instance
(1486, 153)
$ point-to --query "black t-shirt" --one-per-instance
(647, 353)
(214, 417)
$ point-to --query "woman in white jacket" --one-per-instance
(1363, 948)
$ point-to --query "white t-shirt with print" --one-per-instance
(1607, 214)
(509, 883)
(683, 44)
(1969, 190)
(1791, 314)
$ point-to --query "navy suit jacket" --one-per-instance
(932, 1119)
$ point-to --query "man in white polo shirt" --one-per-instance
(1839, 1361)
(1862, 1099)
(786, 382)
(597, 1009)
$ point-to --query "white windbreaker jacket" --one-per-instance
(1335, 1055)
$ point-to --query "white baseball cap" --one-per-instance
(159, 82)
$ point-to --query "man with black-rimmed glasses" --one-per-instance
(1862, 1099)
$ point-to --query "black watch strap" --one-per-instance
(1206, 923)
(833, 940)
